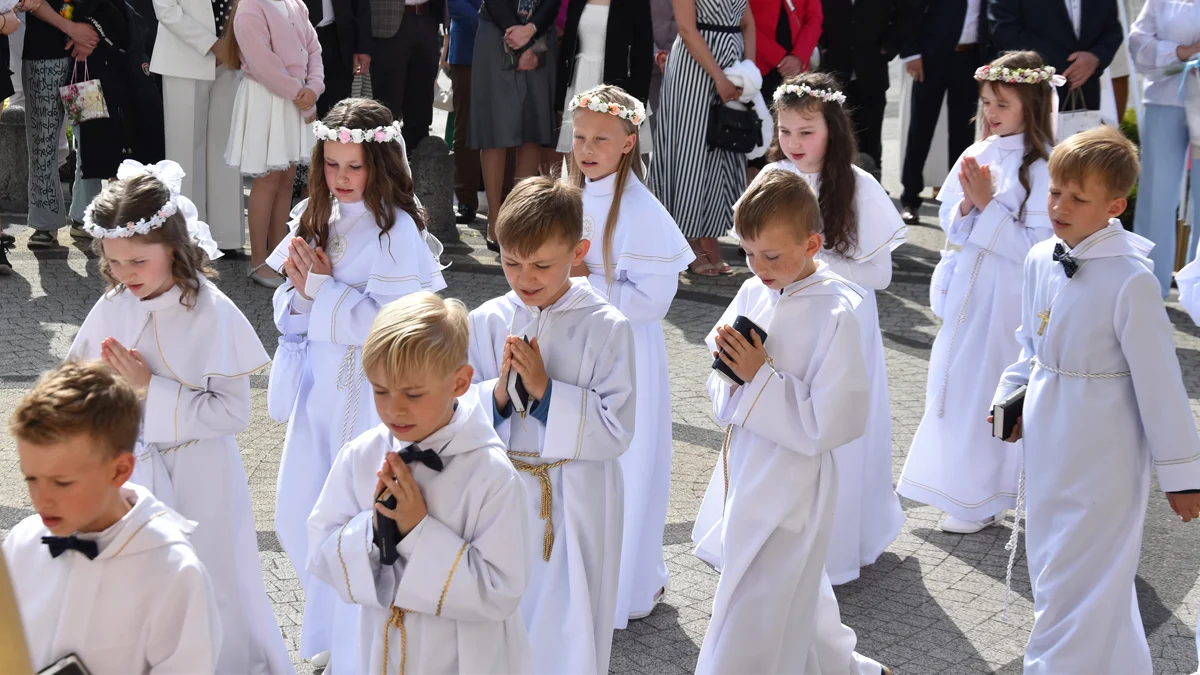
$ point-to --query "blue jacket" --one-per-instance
(464, 20)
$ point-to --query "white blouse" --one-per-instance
(1162, 26)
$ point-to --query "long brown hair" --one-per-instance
(137, 198)
(630, 162)
(227, 46)
(838, 181)
(389, 187)
(1036, 102)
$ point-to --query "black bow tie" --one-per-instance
(1070, 265)
(59, 545)
(427, 457)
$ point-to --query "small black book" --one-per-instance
(517, 394)
(387, 532)
(742, 325)
(1006, 413)
(68, 665)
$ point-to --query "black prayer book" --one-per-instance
(1006, 413)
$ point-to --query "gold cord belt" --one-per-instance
(397, 620)
(542, 473)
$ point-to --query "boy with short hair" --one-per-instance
(772, 497)
(447, 602)
(103, 571)
(577, 370)
(1105, 400)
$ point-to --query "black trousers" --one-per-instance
(339, 75)
(403, 72)
(867, 100)
(952, 77)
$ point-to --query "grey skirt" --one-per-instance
(510, 108)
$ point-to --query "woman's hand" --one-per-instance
(516, 37)
(83, 40)
(29, 5)
(1185, 52)
(726, 89)
(528, 60)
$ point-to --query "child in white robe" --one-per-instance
(358, 243)
(1188, 280)
(448, 604)
(992, 207)
(102, 571)
(1105, 402)
(578, 371)
(861, 229)
(803, 396)
(174, 335)
(634, 261)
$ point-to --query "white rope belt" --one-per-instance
(1069, 373)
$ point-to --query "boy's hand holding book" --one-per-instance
(527, 359)
(396, 479)
(1185, 504)
(742, 356)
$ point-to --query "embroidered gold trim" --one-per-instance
(446, 588)
(346, 574)
(827, 280)
(897, 233)
(178, 397)
(161, 355)
(657, 258)
(725, 462)
(582, 422)
(752, 405)
(333, 315)
(542, 473)
(396, 619)
(135, 532)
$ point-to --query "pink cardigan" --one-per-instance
(279, 52)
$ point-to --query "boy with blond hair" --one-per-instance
(444, 597)
(573, 353)
(768, 511)
(104, 571)
(1105, 401)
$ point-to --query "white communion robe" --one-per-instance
(1105, 402)
(199, 397)
(588, 350)
(775, 488)
(143, 605)
(649, 253)
(868, 517)
(458, 581)
(334, 402)
(1188, 280)
(954, 463)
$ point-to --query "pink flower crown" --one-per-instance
(991, 73)
(636, 114)
(386, 134)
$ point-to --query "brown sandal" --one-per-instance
(701, 267)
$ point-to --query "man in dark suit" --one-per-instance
(405, 57)
(1078, 37)
(859, 38)
(949, 45)
(344, 31)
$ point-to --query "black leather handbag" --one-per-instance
(733, 130)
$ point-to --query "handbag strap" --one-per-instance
(75, 71)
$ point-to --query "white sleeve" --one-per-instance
(1151, 54)
(185, 626)
(176, 413)
(1017, 374)
(643, 297)
(725, 398)
(171, 16)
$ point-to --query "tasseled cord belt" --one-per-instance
(542, 473)
(397, 620)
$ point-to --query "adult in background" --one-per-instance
(859, 38)
(344, 31)
(604, 42)
(662, 21)
(949, 45)
(1166, 34)
(404, 60)
(512, 79)
(464, 21)
(786, 33)
(1077, 37)
(198, 93)
(9, 24)
(697, 184)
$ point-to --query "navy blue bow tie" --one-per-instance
(59, 545)
(427, 457)
(1070, 265)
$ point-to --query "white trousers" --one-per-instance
(198, 115)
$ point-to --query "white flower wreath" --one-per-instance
(637, 114)
(388, 134)
(826, 95)
(991, 73)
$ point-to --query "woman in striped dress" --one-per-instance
(698, 186)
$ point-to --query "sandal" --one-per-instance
(265, 282)
(723, 269)
(701, 267)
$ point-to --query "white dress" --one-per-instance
(268, 132)
(198, 399)
(144, 605)
(774, 610)
(649, 253)
(334, 403)
(461, 570)
(589, 72)
(1105, 402)
(588, 349)
(868, 517)
(955, 464)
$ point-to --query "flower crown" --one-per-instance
(168, 173)
(826, 95)
(386, 134)
(991, 73)
(637, 114)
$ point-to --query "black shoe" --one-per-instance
(5, 265)
(493, 246)
(465, 215)
(6, 238)
(911, 214)
(42, 239)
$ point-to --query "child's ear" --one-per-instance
(1117, 207)
(812, 246)
(122, 468)
(581, 250)
(462, 379)
(631, 142)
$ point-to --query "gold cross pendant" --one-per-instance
(1045, 317)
